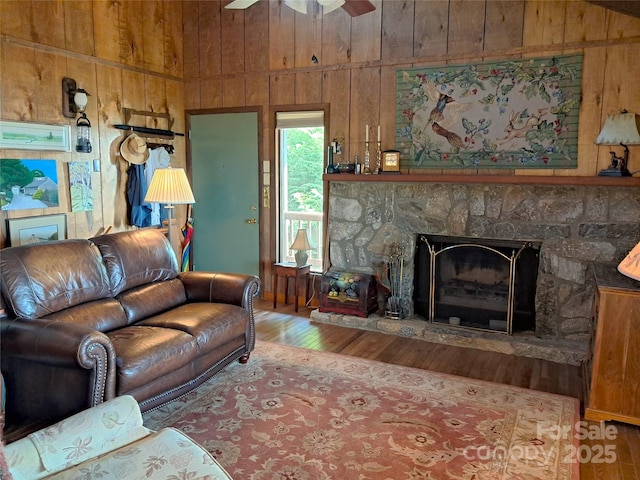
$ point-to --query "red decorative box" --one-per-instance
(348, 293)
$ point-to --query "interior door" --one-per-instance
(224, 169)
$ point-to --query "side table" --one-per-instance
(290, 270)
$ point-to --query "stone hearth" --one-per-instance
(575, 224)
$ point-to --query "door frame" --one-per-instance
(264, 228)
(275, 188)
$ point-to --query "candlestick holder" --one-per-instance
(378, 158)
(367, 166)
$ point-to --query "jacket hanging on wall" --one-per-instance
(139, 213)
(158, 158)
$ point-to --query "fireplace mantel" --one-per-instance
(486, 179)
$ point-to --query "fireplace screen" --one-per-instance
(486, 284)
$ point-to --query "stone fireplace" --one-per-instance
(575, 225)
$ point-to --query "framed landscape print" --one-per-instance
(35, 136)
(29, 230)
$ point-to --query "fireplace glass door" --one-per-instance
(469, 284)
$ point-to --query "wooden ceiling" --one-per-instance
(629, 7)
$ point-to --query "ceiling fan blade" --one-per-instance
(356, 8)
(330, 5)
(297, 5)
(240, 4)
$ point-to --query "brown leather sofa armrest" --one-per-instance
(50, 346)
(232, 288)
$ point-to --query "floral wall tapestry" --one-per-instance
(509, 114)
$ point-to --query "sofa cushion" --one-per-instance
(102, 315)
(136, 257)
(144, 353)
(210, 324)
(147, 300)
(44, 278)
(85, 435)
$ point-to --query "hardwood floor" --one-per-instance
(285, 326)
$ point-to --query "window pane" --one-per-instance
(301, 193)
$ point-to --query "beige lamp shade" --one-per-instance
(169, 185)
(630, 265)
(622, 128)
(302, 241)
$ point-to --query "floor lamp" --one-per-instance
(169, 186)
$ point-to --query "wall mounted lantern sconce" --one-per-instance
(622, 129)
(74, 101)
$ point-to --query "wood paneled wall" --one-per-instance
(125, 54)
(168, 56)
(263, 56)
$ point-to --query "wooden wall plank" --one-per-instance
(431, 28)
(466, 26)
(622, 26)
(365, 109)
(233, 91)
(257, 87)
(504, 24)
(106, 29)
(191, 39)
(308, 35)
(209, 45)
(48, 23)
(133, 93)
(192, 94)
(173, 40)
(78, 27)
(113, 175)
(152, 30)
(397, 30)
(308, 87)
(50, 70)
(19, 92)
(282, 89)
(256, 29)
(131, 33)
(585, 22)
(336, 91)
(366, 33)
(336, 36)
(388, 108)
(211, 93)
(281, 31)
(233, 47)
(155, 94)
(16, 18)
(544, 22)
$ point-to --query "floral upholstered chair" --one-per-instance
(109, 441)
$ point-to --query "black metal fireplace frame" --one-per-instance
(441, 244)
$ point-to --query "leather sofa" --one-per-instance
(91, 319)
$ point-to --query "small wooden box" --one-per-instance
(348, 293)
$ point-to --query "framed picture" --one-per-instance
(25, 231)
(35, 136)
(28, 183)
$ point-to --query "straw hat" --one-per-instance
(134, 149)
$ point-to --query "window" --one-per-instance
(300, 150)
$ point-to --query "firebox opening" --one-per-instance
(488, 284)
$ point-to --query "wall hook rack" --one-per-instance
(158, 132)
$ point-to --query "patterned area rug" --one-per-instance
(300, 414)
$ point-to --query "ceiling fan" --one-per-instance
(352, 7)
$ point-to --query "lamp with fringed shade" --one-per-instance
(169, 186)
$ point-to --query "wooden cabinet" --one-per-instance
(612, 368)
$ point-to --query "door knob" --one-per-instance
(251, 221)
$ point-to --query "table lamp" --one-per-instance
(621, 129)
(630, 265)
(169, 186)
(301, 245)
